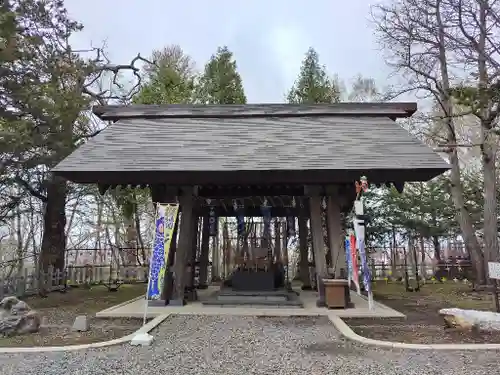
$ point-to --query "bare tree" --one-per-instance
(474, 35)
(415, 36)
(45, 88)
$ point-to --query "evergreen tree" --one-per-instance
(170, 81)
(313, 84)
(221, 82)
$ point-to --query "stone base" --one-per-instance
(320, 302)
(156, 303)
(141, 339)
(202, 286)
(261, 280)
(177, 302)
(190, 294)
(277, 298)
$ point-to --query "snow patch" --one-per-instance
(483, 320)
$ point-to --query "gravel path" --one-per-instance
(192, 345)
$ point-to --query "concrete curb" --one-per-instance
(119, 305)
(41, 349)
(348, 333)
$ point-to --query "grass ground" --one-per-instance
(59, 310)
(423, 323)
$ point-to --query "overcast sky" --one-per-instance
(268, 37)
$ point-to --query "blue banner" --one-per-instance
(158, 257)
(364, 266)
(348, 258)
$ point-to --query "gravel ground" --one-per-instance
(61, 334)
(226, 345)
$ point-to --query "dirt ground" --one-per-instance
(423, 324)
(59, 310)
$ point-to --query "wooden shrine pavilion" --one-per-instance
(211, 158)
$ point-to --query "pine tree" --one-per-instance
(170, 81)
(313, 84)
(220, 82)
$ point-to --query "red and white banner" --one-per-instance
(354, 262)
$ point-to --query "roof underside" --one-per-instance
(318, 148)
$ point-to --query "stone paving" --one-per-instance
(135, 309)
(226, 345)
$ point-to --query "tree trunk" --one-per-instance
(140, 241)
(437, 248)
(130, 251)
(20, 247)
(457, 191)
(490, 204)
(394, 253)
(422, 257)
(98, 245)
(54, 237)
(464, 219)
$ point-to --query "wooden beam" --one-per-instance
(241, 191)
(249, 211)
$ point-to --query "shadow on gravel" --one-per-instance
(295, 321)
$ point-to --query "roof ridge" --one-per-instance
(371, 109)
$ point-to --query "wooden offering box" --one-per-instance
(336, 293)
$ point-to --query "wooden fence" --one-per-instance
(441, 272)
(31, 282)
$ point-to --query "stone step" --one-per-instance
(254, 304)
(250, 298)
(280, 292)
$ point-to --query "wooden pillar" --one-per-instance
(168, 285)
(304, 250)
(184, 245)
(277, 239)
(317, 241)
(205, 249)
(190, 282)
(216, 274)
(335, 237)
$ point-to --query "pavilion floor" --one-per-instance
(135, 309)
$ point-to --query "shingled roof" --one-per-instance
(181, 143)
